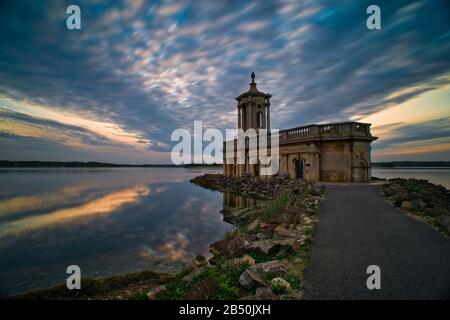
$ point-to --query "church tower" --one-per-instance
(253, 108)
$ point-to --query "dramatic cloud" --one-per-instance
(139, 69)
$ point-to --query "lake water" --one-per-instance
(435, 175)
(113, 221)
(107, 221)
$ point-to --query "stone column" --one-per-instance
(239, 117)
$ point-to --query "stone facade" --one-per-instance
(325, 152)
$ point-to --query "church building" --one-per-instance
(316, 152)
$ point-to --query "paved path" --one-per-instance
(357, 228)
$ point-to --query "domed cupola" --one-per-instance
(253, 108)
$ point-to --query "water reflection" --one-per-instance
(106, 221)
(104, 205)
(231, 200)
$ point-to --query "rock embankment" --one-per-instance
(254, 186)
(425, 200)
(264, 257)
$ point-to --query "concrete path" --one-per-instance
(357, 228)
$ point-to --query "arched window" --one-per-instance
(259, 119)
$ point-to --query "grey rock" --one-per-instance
(249, 279)
(269, 246)
(253, 225)
(156, 293)
(281, 232)
(262, 236)
(274, 267)
(254, 297)
(265, 293)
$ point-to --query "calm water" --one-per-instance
(435, 175)
(112, 221)
(107, 221)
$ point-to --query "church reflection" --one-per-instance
(231, 200)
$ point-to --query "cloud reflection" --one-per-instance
(104, 205)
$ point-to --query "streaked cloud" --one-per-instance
(140, 69)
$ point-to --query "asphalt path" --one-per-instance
(358, 228)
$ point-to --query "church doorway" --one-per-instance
(364, 171)
(299, 169)
(361, 172)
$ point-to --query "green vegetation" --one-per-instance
(225, 275)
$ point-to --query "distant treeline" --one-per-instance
(93, 164)
(393, 164)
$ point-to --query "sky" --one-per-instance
(137, 70)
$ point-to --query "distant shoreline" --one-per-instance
(95, 164)
(411, 164)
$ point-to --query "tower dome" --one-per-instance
(253, 108)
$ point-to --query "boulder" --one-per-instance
(262, 236)
(190, 276)
(200, 261)
(406, 205)
(418, 204)
(291, 296)
(253, 225)
(307, 220)
(444, 222)
(252, 277)
(249, 279)
(265, 293)
(231, 247)
(156, 293)
(281, 232)
(270, 246)
(274, 267)
(202, 290)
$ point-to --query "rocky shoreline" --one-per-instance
(422, 199)
(265, 256)
(262, 258)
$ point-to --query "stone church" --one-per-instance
(316, 152)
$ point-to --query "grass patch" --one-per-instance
(226, 276)
(278, 289)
